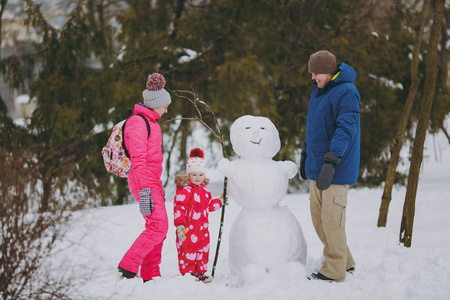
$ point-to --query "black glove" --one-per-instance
(302, 162)
(326, 173)
(145, 202)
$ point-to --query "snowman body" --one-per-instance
(264, 236)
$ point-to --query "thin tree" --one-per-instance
(444, 54)
(2, 10)
(407, 222)
(398, 141)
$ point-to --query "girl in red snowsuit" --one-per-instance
(192, 204)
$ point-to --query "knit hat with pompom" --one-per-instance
(196, 162)
(155, 95)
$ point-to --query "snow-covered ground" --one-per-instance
(385, 269)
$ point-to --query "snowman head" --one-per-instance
(254, 137)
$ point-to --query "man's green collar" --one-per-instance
(335, 76)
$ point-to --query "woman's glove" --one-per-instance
(181, 233)
(145, 201)
(326, 173)
(302, 162)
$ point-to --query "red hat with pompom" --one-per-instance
(196, 162)
(155, 95)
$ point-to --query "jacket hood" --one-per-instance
(347, 74)
(182, 180)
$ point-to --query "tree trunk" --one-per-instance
(407, 222)
(444, 54)
(398, 141)
(179, 8)
(169, 154)
(446, 133)
(45, 198)
(2, 10)
(122, 192)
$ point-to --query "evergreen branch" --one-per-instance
(344, 19)
(125, 65)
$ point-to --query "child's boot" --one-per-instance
(126, 274)
(203, 278)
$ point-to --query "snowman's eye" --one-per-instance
(263, 128)
(247, 128)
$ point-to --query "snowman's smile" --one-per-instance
(257, 143)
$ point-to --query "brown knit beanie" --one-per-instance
(322, 62)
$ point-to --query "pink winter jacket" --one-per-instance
(145, 154)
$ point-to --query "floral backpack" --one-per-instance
(115, 154)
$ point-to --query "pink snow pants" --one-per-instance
(146, 249)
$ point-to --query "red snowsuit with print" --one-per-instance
(192, 205)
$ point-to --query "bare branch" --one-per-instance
(195, 102)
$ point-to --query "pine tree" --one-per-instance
(71, 99)
(250, 57)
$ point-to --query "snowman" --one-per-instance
(265, 237)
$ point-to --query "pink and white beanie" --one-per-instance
(196, 162)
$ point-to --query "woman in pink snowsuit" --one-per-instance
(192, 204)
(144, 180)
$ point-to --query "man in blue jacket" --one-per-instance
(330, 158)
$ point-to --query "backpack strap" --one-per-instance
(146, 123)
(123, 131)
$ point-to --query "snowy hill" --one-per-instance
(98, 238)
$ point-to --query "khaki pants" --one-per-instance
(328, 216)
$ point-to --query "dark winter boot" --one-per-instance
(203, 278)
(318, 276)
(126, 274)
